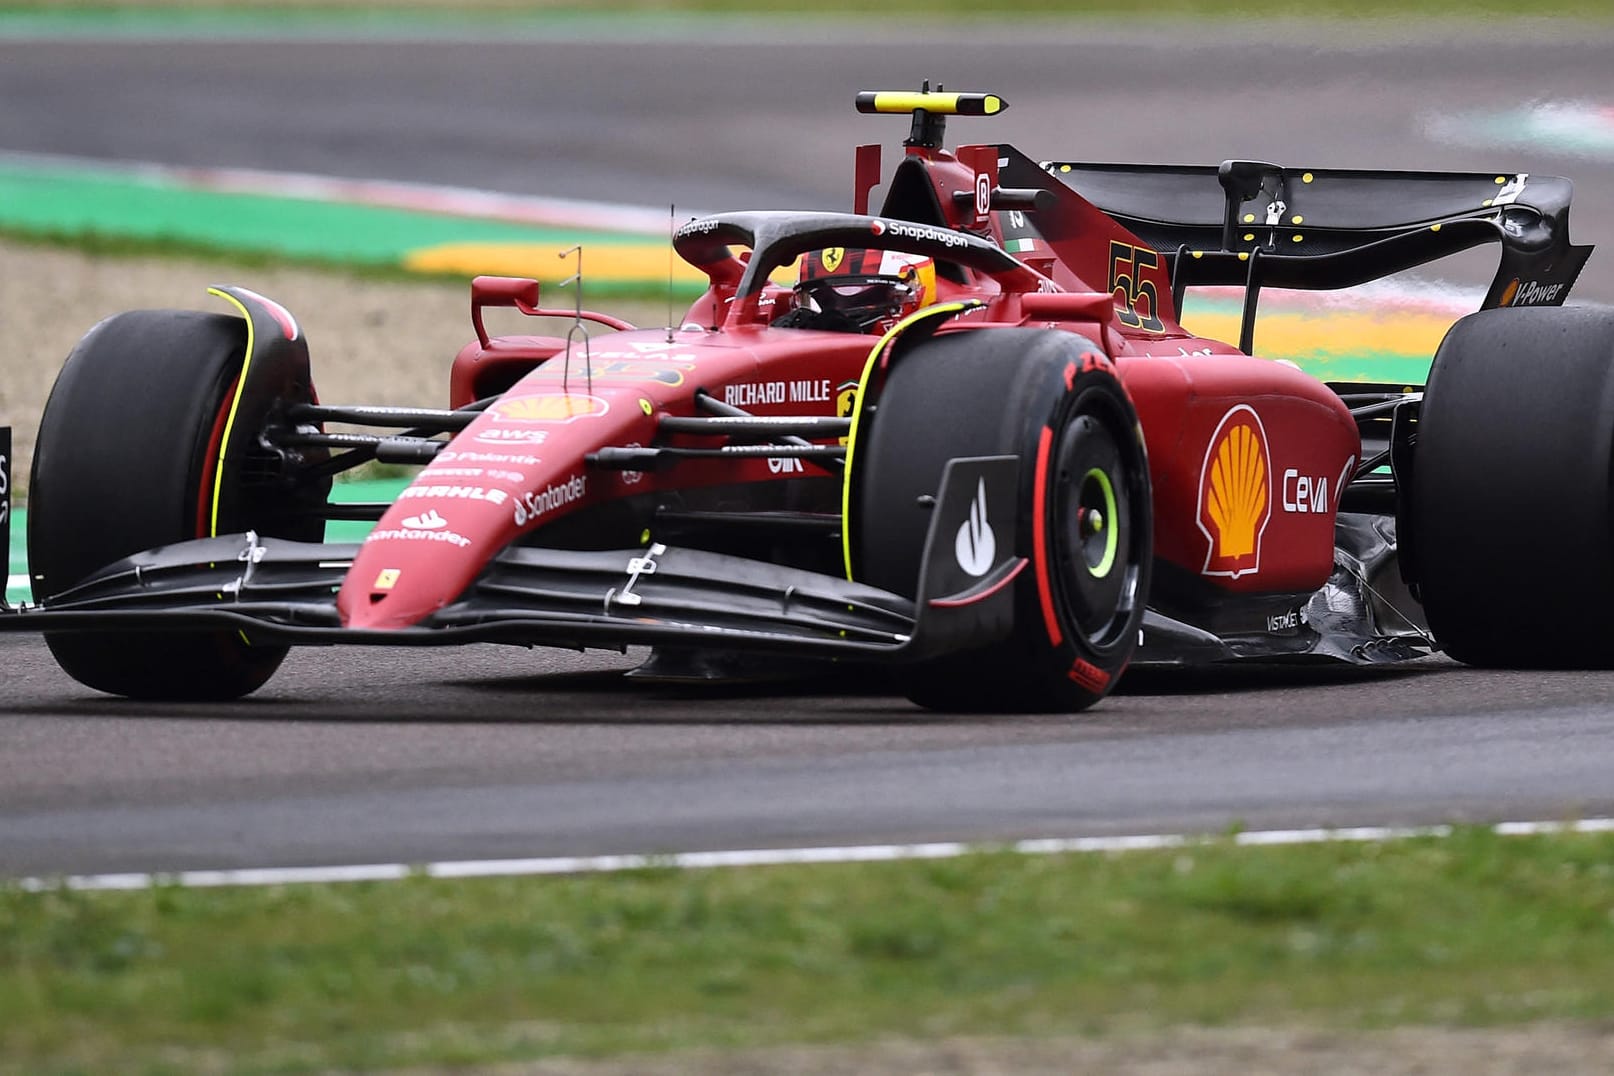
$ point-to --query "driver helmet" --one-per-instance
(871, 289)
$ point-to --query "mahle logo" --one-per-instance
(1235, 494)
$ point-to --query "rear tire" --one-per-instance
(1510, 505)
(124, 462)
(1083, 513)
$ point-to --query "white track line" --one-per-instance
(763, 857)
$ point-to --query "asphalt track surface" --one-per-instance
(368, 755)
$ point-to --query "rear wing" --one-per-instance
(1250, 223)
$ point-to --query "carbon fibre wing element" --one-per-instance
(284, 592)
(1328, 228)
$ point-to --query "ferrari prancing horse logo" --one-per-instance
(833, 257)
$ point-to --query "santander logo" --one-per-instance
(428, 520)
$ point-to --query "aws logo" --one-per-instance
(549, 407)
(1235, 494)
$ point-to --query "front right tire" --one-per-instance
(1083, 514)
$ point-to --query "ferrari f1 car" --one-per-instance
(970, 440)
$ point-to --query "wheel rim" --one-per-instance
(1094, 526)
(1095, 523)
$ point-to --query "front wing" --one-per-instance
(276, 591)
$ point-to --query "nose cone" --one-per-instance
(423, 554)
(515, 468)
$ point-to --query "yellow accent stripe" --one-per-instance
(229, 423)
(862, 388)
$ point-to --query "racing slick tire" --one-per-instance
(1084, 512)
(1511, 511)
(125, 460)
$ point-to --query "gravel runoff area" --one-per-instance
(372, 341)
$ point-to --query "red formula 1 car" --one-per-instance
(971, 441)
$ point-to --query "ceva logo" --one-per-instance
(1235, 494)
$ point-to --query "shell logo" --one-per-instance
(1235, 494)
(549, 407)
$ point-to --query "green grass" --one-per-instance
(1474, 929)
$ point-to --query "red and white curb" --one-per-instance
(768, 857)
